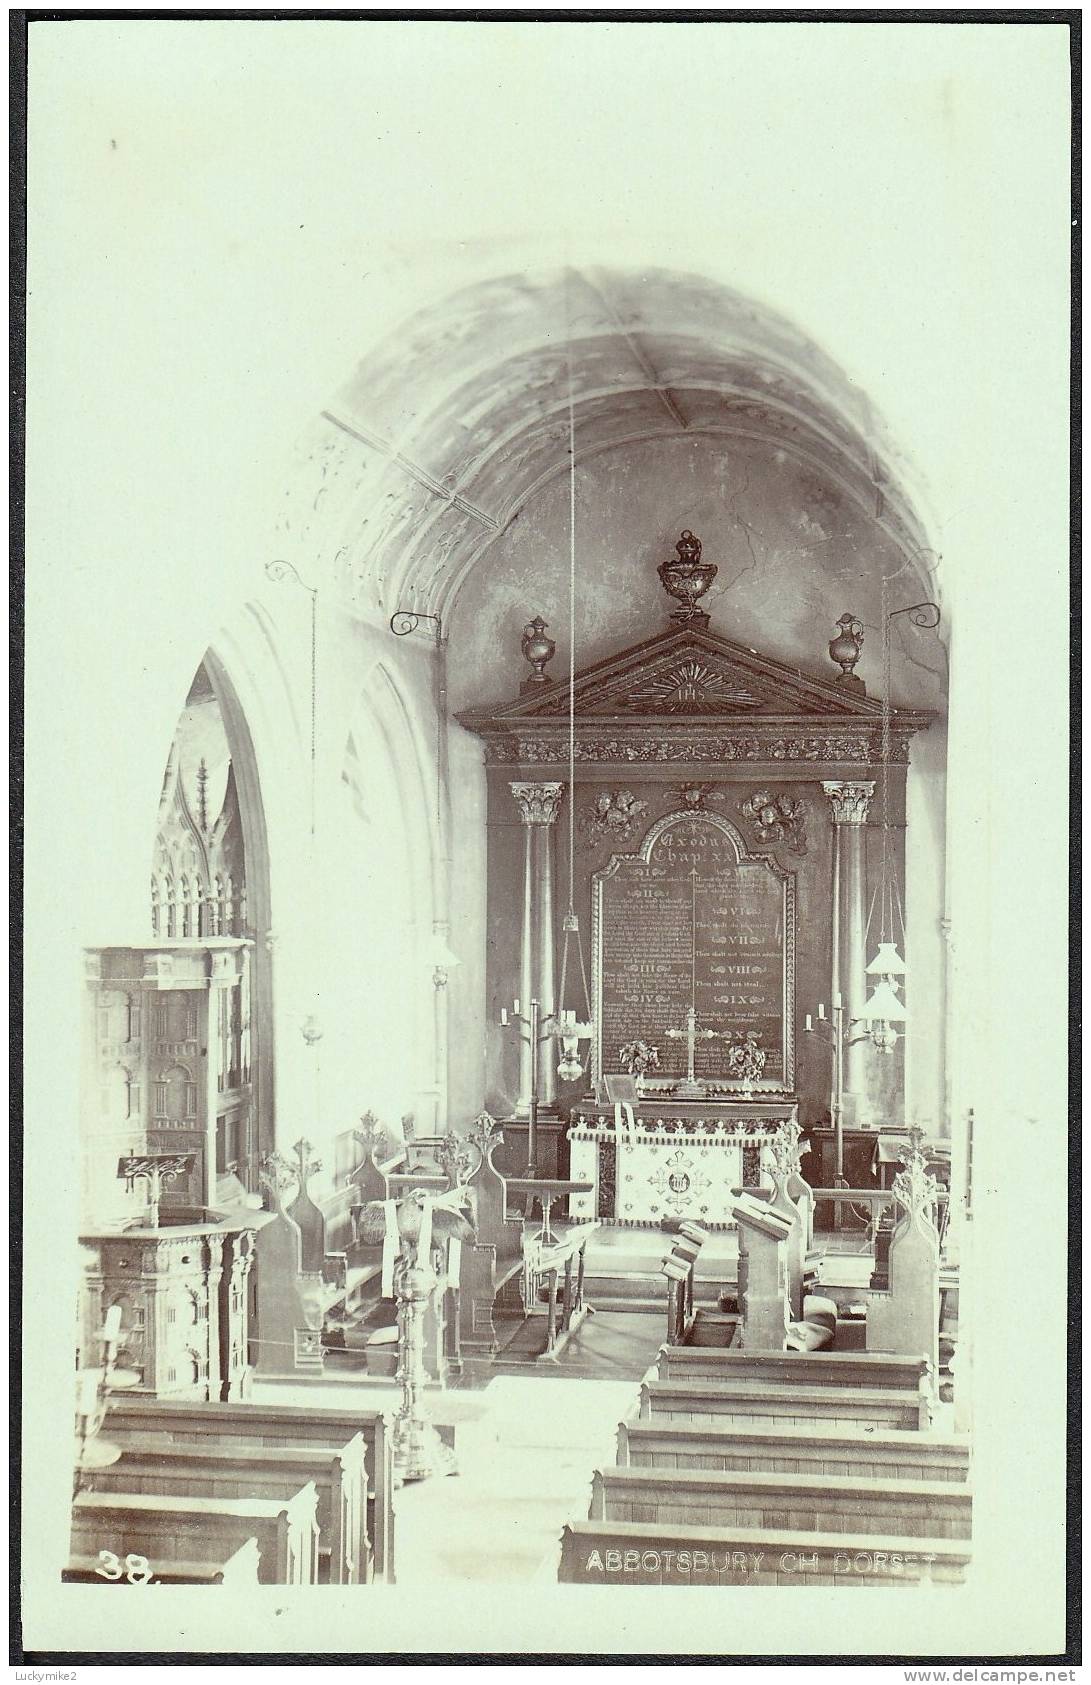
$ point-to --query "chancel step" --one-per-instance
(648, 1284)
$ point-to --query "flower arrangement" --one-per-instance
(639, 1057)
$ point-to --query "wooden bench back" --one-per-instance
(281, 1425)
(835, 1369)
(240, 1570)
(151, 1462)
(627, 1553)
(166, 1530)
(908, 1509)
(498, 1224)
(747, 1404)
(813, 1450)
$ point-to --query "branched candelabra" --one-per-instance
(537, 1029)
(834, 1030)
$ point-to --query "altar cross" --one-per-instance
(691, 1035)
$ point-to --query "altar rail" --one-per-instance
(878, 1201)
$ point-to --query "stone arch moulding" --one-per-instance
(259, 915)
(482, 375)
(385, 729)
(383, 711)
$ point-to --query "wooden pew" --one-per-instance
(239, 1570)
(277, 1425)
(493, 1261)
(352, 1270)
(813, 1450)
(192, 1530)
(746, 1403)
(286, 1337)
(640, 1553)
(898, 1509)
(811, 1369)
(153, 1463)
(679, 1267)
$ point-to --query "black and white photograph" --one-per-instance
(545, 899)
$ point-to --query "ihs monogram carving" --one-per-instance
(615, 816)
(679, 1182)
(692, 686)
(777, 819)
(539, 804)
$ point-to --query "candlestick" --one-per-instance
(837, 1000)
(808, 1025)
(516, 1006)
(88, 1393)
(111, 1326)
(821, 1010)
(504, 1016)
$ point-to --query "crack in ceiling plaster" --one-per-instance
(469, 404)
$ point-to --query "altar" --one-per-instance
(712, 802)
(677, 1159)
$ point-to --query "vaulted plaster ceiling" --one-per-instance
(440, 437)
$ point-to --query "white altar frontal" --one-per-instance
(677, 1159)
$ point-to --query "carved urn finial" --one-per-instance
(537, 649)
(845, 650)
(687, 578)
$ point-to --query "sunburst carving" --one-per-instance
(692, 686)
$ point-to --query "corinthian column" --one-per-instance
(539, 805)
(849, 806)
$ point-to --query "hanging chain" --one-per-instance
(886, 897)
(571, 640)
(571, 922)
(314, 701)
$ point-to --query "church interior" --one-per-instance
(547, 1049)
(625, 835)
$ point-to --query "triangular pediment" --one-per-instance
(687, 672)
